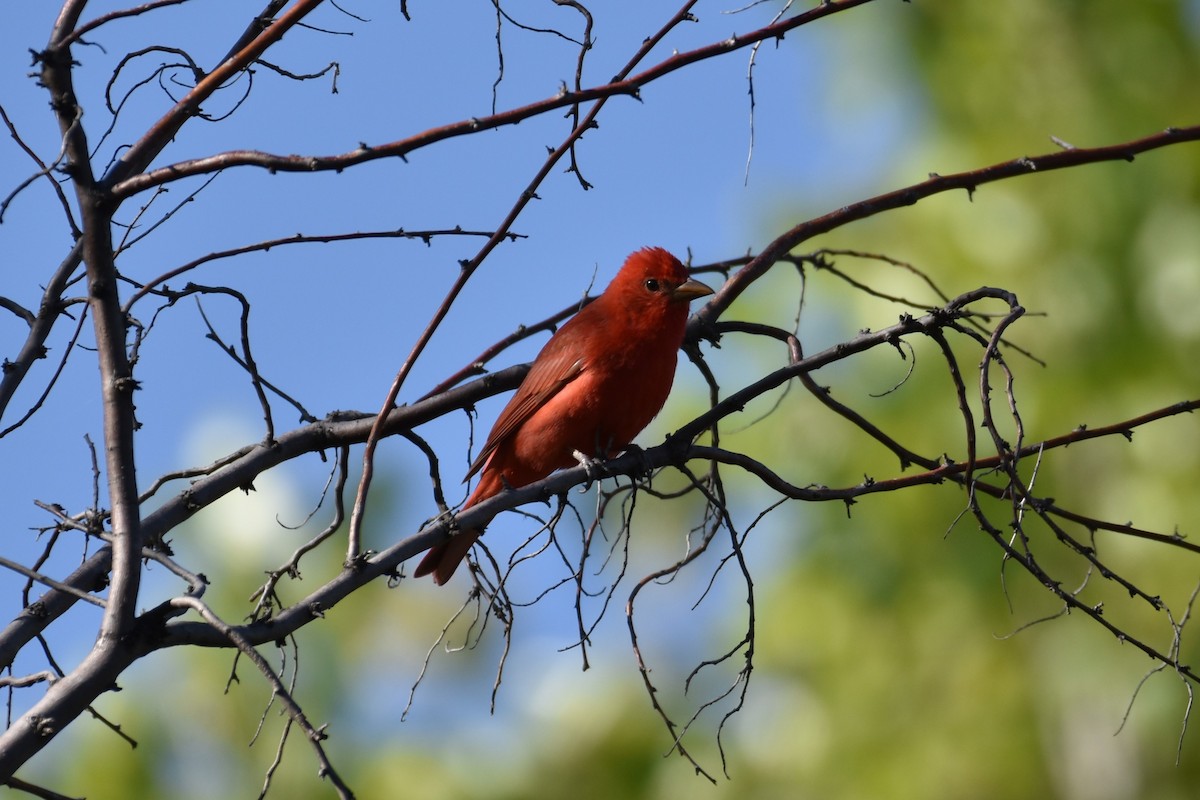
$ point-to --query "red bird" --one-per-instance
(598, 381)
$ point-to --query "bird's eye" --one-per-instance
(651, 284)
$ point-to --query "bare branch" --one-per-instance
(124, 13)
(624, 83)
(295, 713)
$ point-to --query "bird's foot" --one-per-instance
(591, 466)
(645, 470)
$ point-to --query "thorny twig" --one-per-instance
(993, 467)
(295, 713)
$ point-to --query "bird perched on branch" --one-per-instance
(598, 381)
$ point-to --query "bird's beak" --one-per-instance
(690, 290)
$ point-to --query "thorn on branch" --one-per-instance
(359, 560)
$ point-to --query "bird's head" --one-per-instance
(652, 278)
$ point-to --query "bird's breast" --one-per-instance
(598, 413)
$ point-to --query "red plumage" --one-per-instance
(594, 386)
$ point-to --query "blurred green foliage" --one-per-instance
(883, 666)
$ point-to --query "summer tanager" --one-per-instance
(598, 381)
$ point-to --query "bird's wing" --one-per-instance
(551, 371)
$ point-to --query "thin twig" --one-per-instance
(295, 713)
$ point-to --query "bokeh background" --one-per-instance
(884, 665)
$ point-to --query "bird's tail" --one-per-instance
(443, 559)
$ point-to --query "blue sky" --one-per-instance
(331, 324)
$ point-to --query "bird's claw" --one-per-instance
(591, 467)
(645, 469)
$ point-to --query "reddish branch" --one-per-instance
(134, 160)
